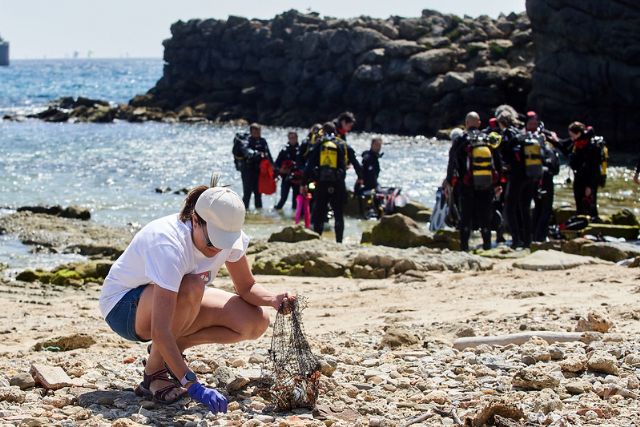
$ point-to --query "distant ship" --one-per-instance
(4, 52)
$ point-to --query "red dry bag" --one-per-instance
(267, 178)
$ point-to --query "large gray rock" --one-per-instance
(399, 231)
(363, 39)
(294, 234)
(434, 61)
(402, 48)
(597, 67)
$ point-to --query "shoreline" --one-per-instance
(369, 383)
(385, 345)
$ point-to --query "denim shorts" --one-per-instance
(122, 317)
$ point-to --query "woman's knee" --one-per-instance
(256, 328)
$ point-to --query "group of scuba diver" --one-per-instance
(314, 172)
(494, 174)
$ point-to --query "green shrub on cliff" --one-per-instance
(498, 51)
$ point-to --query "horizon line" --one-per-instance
(85, 58)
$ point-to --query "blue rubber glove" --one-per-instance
(210, 397)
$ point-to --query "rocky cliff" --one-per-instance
(588, 65)
(401, 75)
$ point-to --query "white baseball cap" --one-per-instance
(223, 211)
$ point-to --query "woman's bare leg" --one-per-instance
(187, 308)
(224, 318)
(201, 317)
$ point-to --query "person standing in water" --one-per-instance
(285, 165)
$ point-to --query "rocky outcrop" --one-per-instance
(73, 274)
(401, 75)
(72, 211)
(55, 234)
(321, 258)
(588, 65)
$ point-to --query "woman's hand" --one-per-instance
(587, 191)
(283, 300)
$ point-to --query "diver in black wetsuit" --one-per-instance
(476, 167)
(520, 187)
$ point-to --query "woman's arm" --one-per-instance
(248, 289)
(162, 333)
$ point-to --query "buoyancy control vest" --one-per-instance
(531, 145)
(328, 165)
(481, 164)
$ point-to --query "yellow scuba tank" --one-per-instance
(481, 162)
(604, 158)
(329, 154)
(328, 163)
(532, 151)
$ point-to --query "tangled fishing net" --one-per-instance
(293, 371)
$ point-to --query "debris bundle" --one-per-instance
(294, 370)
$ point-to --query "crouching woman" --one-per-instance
(156, 292)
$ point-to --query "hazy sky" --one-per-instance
(136, 28)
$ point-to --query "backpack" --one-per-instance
(600, 143)
(328, 164)
(239, 144)
(481, 164)
(532, 155)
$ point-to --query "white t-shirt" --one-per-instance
(163, 253)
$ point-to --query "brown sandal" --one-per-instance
(160, 396)
(173, 377)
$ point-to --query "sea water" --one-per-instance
(114, 169)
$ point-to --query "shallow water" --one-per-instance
(113, 169)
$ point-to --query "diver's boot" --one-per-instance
(465, 234)
(486, 239)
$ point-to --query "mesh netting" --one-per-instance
(294, 370)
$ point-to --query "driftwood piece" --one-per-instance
(523, 337)
(418, 419)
